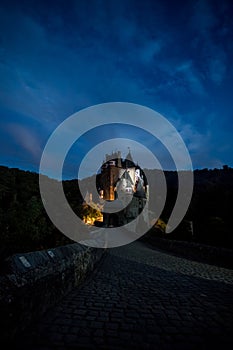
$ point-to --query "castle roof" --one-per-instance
(127, 177)
(129, 161)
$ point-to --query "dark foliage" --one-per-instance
(208, 219)
(25, 226)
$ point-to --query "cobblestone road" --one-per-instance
(139, 298)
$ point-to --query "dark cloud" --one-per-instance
(176, 57)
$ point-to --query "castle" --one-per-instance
(120, 179)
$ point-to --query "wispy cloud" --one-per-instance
(217, 68)
(209, 25)
(26, 139)
(174, 57)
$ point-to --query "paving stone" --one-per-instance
(96, 324)
(111, 325)
(111, 333)
(140, 298)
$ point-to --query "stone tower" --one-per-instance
(110, 173)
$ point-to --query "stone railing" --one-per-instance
(196, 251)
(36, 281)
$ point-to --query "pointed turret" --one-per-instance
(129, 160)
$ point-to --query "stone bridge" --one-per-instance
(140, 298)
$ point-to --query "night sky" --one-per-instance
(58, 57)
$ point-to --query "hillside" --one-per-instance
(25, 226)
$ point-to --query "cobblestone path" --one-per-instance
(140, 298)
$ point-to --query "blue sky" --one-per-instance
(58, 57)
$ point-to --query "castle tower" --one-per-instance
(110, 175)
(130, 166)
(129, 160)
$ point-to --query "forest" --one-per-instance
(25, 226)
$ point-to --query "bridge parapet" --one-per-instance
(36, 281)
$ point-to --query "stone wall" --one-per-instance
(200, 252)
(36, 281)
